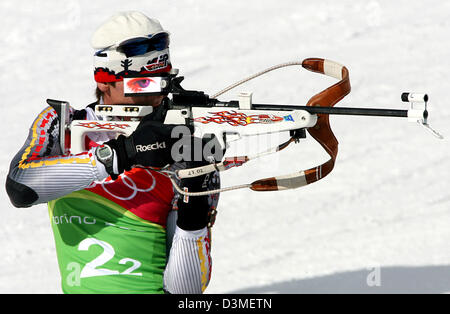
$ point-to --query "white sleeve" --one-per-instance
(40, 173)
(188, 268)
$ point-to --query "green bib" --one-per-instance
(103, 248)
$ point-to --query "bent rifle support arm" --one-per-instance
(321, 132)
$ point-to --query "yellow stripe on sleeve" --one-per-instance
(203, 266)
(23, 164)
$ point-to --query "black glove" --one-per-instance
(195, 212)
(149, 145)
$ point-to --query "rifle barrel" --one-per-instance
(338, 110)
(325, 110)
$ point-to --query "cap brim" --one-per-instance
(141, 37)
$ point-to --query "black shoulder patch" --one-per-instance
(79, 114)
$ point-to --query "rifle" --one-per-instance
(232, 120)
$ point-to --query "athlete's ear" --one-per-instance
(104, 87)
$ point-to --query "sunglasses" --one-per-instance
(139, 46)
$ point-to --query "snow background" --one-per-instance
(386, 206)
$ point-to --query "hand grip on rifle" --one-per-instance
(149, 145)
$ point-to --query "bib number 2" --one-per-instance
(93, 268)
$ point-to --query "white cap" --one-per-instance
(111, 65)
(123, 26)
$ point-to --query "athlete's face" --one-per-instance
(113, 95)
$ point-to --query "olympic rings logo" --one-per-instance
(129, 183)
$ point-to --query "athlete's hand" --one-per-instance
(194, 212)
(149, 145)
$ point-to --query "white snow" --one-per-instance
(384, 210)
